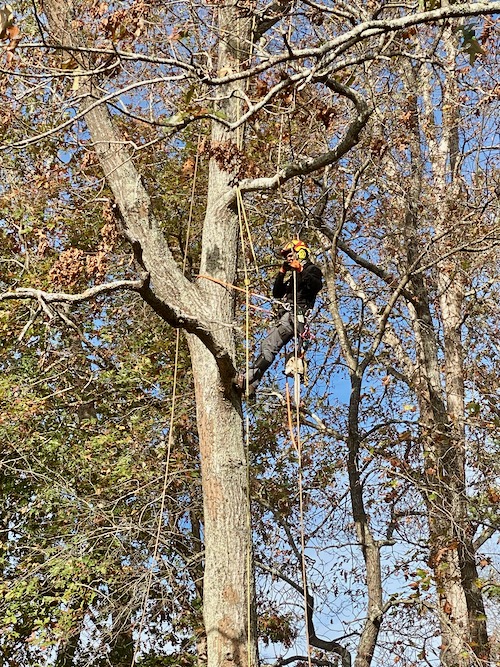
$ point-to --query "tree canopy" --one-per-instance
(154, 158)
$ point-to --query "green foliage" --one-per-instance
(86, 431)
(470, 44)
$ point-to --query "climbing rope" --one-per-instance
(241, 289)
(171, 426)
(297, 444)
(242, 217)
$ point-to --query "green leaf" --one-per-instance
(470, 45)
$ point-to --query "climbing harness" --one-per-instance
(296, 364)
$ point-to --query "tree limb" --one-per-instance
(64, 297)
(309, 165)
(324, 645)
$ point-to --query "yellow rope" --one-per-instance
(242, 213)
(171, 427)
(242, 216)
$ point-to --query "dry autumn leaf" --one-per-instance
(6, 20)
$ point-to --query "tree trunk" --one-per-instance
(228, 580)
(370, 549)
(441, 397)
(227, 584)
(450, 283)
(445, 481)
(205, 310)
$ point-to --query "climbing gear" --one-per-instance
(283, 307)
(296, 245)
(306, 335)
(295, 365)
(296, 441)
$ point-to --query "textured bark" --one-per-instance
(450, 281)
(369, 548)
(228, 583)
(205, 310)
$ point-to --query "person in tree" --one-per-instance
(297, 293)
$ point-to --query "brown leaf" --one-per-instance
(188, 167)
(447, 608)
(493, 495)
(6, 20)
(43, 244)
(13, 33)
(69, 268)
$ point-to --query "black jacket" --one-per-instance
(309, 283)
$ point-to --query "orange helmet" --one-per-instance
(298, 246)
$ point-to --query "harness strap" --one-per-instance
(287, 307)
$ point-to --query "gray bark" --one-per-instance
(205, 310)
(368, 545)
(441, 398)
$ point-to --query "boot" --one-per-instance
(255, 373)
(257, 370)
(240, 383)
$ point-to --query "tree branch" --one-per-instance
(64, 297)
(330, 646)
(271, 15)
(178, 301)
(309, 165)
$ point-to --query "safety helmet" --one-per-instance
(298, 246)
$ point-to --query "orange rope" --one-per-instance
(239, 289)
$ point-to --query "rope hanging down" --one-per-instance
(154, 558)
(241, 216)
(297, 444)
(295, 437)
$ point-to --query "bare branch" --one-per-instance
(324, 645)
(309, 165)
(65, 297)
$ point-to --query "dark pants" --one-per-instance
(282, 332)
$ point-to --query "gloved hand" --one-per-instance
(284, 267)
(295, 265)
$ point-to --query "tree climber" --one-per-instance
(297, 295)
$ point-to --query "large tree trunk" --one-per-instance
(205, 310)
(440, 395)
(228, 582)
(461, 602)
